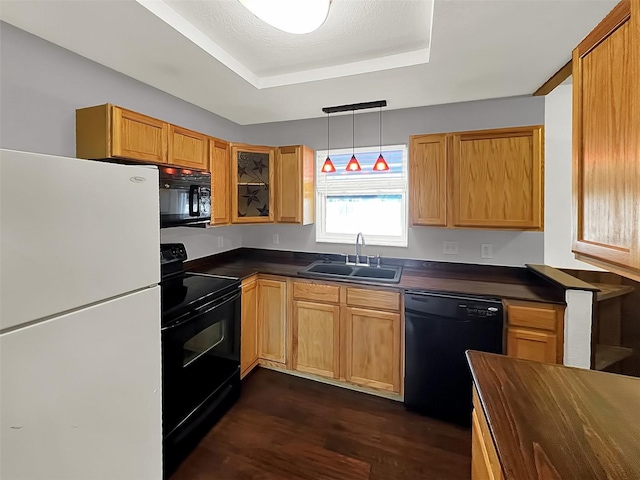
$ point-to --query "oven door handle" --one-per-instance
(222, 302)
(194, 201)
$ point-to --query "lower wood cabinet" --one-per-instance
(373, 349)
(316, 338)
(484, 457)
(532, 345)
(347, 333)
(249, 326)
(535, 331)
(272, 319)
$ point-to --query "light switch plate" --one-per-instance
(220, 242)
(276, 238)
(450, 248)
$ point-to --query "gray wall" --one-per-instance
(509, 248)
(42, 85)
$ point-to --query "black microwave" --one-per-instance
(185, 197)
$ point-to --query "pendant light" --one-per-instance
(328, 166)
(353, 165)
(381, 164)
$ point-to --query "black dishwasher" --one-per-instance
(439, 328)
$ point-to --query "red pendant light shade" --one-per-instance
(380, 165)
(328, 167)
(353, 165)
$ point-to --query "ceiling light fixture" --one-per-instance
(291, 16)
(381, 164)
(328, 166)
(353, 165)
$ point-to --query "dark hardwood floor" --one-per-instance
(284, 427)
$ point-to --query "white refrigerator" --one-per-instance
(80, 365)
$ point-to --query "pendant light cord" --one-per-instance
(353, 132)
(380, 115)
(328, 135)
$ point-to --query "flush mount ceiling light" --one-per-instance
(291, 16)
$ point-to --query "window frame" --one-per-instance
(379, 189)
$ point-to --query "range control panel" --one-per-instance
(172, 252)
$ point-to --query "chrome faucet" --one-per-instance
(359, 247)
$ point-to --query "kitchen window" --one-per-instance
(374, 203)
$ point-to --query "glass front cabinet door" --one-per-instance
(252, 183)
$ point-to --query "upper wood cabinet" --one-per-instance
(294, 190)
(188, 148)
(489, 179)
(428, 180)
(252, 184)
(272, 319)
(220, 182)
(606, 143)
(107, 131)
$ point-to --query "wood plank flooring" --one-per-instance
(285, 427)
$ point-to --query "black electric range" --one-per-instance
(200, 352)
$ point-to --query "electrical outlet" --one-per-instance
(276, 238)
(450, 248)
(220, 242)
(486, 250)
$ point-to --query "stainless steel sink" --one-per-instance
(326, 269)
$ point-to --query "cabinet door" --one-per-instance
(252, 189)
(272, 308)
(497, 178)
(316, 338)
(373, 349)
(187, 148)
(480, 469)
(219, 163)
(249, 328)
(532, 345)
(606, 148)
(428, 180)
(138, 137)
(288, 185)
(294, 189)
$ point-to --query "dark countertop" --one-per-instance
(484, 280)
(559, 423)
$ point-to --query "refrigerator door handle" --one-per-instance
(194, 201)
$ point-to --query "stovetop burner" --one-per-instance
(186, 292)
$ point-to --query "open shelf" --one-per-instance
(608, 291)
(607, 355)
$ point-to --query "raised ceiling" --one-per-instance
(216, 55)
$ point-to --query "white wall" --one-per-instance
(202, 242)
(558, 215)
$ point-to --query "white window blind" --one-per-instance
(371, 202)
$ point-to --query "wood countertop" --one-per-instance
(551, 422)
(490, 281)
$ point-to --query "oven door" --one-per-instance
(201, 352)
(185, 197)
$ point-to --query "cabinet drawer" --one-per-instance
(360, 297)
(531, 315)
(316, 292)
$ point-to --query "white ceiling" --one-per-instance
(218, 56)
